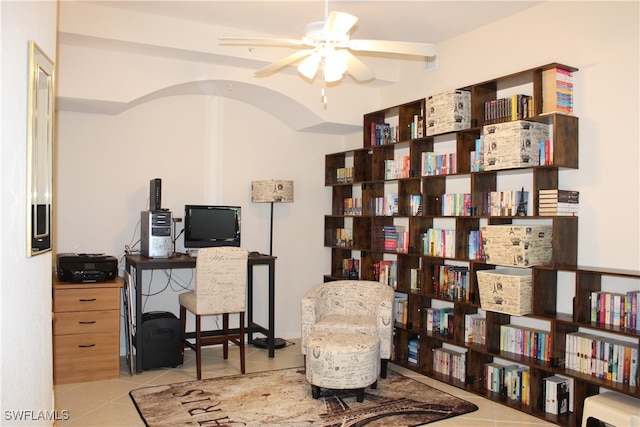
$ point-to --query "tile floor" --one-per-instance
(107, 402)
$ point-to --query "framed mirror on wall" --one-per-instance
(40, 122)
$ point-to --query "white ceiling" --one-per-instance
(417, 21)
(423, 21)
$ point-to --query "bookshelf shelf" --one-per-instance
(364, 175)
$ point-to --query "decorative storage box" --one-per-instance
(505, 290)
(513, 144)
(448, 112)
(517, 245)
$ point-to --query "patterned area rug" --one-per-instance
(283, 398)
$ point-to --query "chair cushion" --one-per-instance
(347, 324)
(188, 301)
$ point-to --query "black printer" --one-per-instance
(86, 268)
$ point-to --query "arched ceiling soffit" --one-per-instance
(289, 111)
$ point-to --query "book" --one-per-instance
(557, 91)
(556, 395)
(559, 195)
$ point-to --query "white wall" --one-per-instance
(206, 150)
(25, 315)
(606, 52)
(236, 142)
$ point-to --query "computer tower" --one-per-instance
(155, 194)
(161, 340)
(155, 234)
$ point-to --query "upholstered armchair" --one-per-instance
(351, 306)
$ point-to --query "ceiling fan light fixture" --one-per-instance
(309, 67)
(334, 66)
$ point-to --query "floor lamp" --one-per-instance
(272, 191)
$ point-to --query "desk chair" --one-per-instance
(220, 289)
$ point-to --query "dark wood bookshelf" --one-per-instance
(368, 180)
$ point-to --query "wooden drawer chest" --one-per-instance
(86, 331)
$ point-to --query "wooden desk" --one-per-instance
(136, 264)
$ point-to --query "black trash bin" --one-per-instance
(161, 340)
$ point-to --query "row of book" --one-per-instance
(450, 362)
(602, 357)
(456, 204)
(476, 249)
(413, 353)
(438, 164)
(401, 309)
(344, 175)
(415, 279)
(415, 204)
(557, 91)
(395, 169)
(352, 206)
(514, 107)
(451, 282)
(558, 202)
(440, 320)
(505, 203)
(343, 237)
(439, 242)
(510, 381)
(386, 205)
(476, 157)
(475, 329)
(546, 152)
(556, 393)
(416, 127)
(524, 341)
(615, 309)
(495, 203)
(392, 238)
(383, 133)
(386, 271)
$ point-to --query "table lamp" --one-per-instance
(273, 191)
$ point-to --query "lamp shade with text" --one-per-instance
(272, 191)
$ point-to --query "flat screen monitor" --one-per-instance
(211, 225)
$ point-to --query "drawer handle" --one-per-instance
(86, 345)
(88, 300)
(87, 323)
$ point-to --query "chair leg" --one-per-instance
(183, 321)
(198, 348)
(225, 330)
(360, 395)
(241, 343)
(383, 368)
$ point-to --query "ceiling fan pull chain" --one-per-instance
(323, 91)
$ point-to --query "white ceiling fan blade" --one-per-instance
(309, 67)
(357, 68)
(287, 60)
(403, 48)
(339, 23)
(262, 40)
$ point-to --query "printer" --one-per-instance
(86, 268)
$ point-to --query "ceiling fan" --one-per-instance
(326, 45)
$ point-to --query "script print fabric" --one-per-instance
(356, 306)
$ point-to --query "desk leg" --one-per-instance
(272, 315)
(250, 303)
(138, 326)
